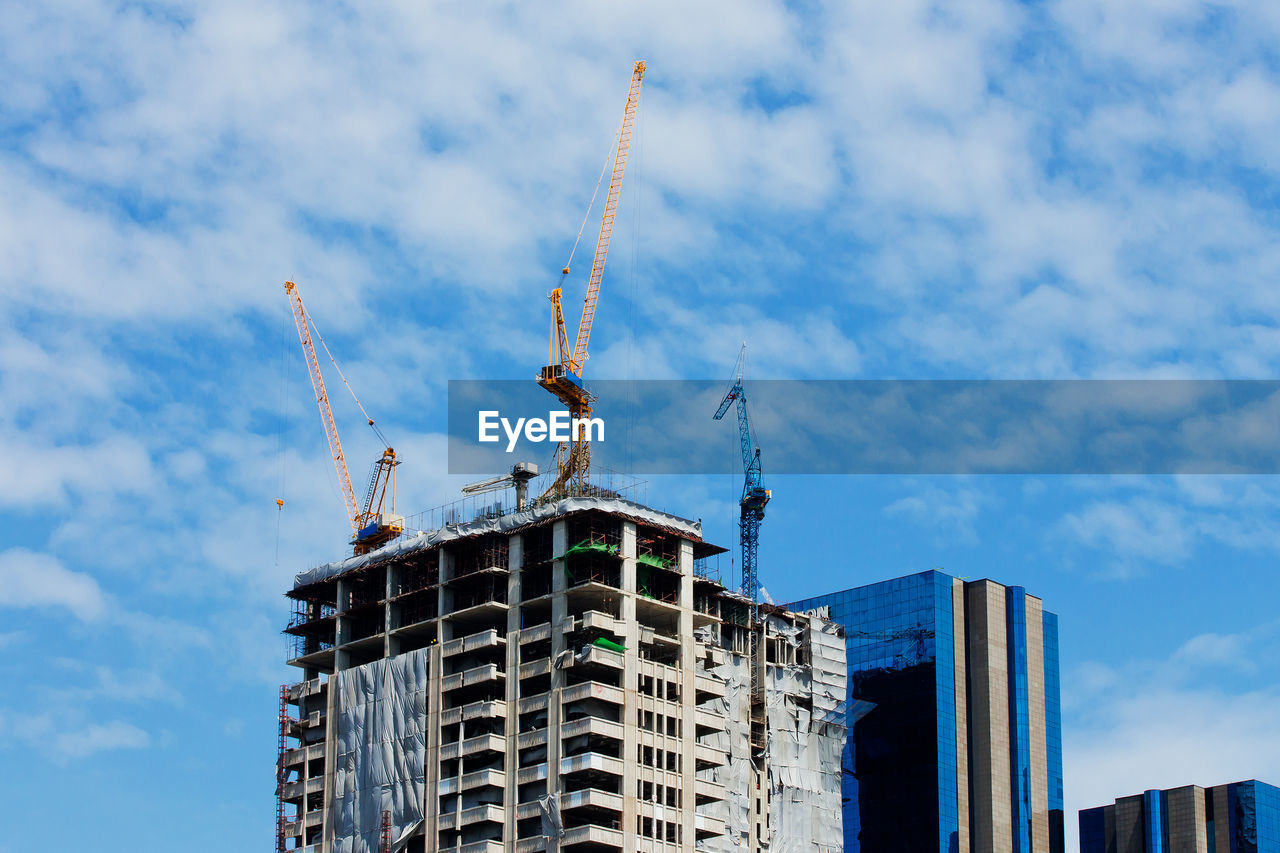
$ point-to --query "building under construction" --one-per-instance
(559, 677)
(562, 677)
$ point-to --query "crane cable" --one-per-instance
(284, 427)
(638, 183)
(351, 390)
(603, 169)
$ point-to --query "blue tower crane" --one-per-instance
(754, 495)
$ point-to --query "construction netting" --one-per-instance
(735, 775)
(805, 710)
(381, 746)
(805, 706)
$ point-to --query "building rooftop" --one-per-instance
(509, 523)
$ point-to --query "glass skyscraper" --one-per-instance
(1243, 817)
(955, 736)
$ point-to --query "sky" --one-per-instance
(987, 190)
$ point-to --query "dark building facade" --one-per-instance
(1242, 817)
(955, 736)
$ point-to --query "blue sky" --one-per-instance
(1070, 189)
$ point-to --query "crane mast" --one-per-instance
(754, 495)
(606, 221)
(751, 512)
(562, 376)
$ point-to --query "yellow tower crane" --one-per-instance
(563, 374)
(377, 523)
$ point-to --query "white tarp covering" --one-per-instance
(804, 745)
(735, 776)
(501, 524)
(381, 719)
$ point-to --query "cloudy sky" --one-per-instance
(1069, 189)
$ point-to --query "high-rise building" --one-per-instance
(1242, 817)
(955, 738)
(566, 677)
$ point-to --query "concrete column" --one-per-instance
(431, 774)
(1221, 819)
(1186, 821)
(330, 760)
(1037, 726)
(389, 648)
(688, 689)
(341, 659)
(444, 629)
(515, 562)
(1131, 835)
(630, 695)
(559, 612)
(989, 745)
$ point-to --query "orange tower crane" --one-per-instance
(563, 374)
(377, 523)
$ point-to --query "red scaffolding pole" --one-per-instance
(282, 773)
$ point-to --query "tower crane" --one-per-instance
(377, 523)
(562, 375)
(519, 476)
(754, 495)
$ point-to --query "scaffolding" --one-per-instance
(486, 552)
(282, 772)
(420, 571)
(657, 547)
(594, 529)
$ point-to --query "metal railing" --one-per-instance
(708, 568)
(602, 482)
(301, 616)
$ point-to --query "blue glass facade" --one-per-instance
(1242, 817)
(1053, 730)
(897, 690)
(1266, 805)
(1093, 830)
(1019, 716)
(1153, 820)
(904, 785)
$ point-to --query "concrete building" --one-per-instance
(566, 677)
(1242, 817)
(955, 739)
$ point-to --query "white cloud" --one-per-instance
(950, 513)
(1210, 650)
(1152, 737)
(1165, 522)
(1131, 534)
(1168, 722)
(865, 189)
(99, 737)
(57, 736)
(32, 579)
(53, 473)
